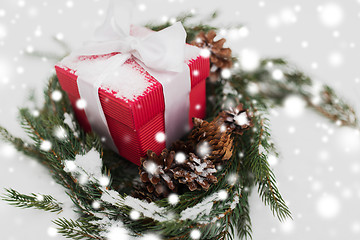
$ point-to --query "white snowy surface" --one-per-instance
(319, 169)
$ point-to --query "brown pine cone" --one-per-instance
(162, 175)
(220, 56)
(196, 173)
(213, 139)
(155, 173)
(181, 146)
(237, 120)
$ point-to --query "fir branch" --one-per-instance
(20, 145)
(273, 92)
(263, 175)
(52, 55)
(38, 201)
(78, 229)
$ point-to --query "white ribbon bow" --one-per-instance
(160, 53)
(163, 50)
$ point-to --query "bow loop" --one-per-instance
(161, 51)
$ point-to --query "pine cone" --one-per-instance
(196, 173)
(220, 56)
(181, 146)
(155, 173)
(162, 175)
(213, 139)
(140, 192)
(237, 120)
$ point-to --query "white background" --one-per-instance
(319, 169)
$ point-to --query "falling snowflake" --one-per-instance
(96, 204)
(45, 145)
(60, 133)
(294, 106)
(226, 73)
(249, 59)
(173, 199)
(203, 149)
(328, 206)
(56, 95)
(195, 234)
(180, 157)
(151, 167)
(81, 104)
(331, 15)
(116, 233)
(277, 74)
(134, 215)
(52, 232)
(223, 195)
(160, 137)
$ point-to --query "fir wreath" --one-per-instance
(101, 191)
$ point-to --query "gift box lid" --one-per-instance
(137, 96)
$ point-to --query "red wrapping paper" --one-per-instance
(134, 124)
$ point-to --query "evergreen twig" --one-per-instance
(38, 201)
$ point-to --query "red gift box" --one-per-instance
(133, 124)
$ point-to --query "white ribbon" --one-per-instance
(161, 54)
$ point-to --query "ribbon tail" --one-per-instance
(89, 91)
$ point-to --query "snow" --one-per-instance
(151, 167)
(134, 215)
(173, 199)
(272, 160)
(60, 132)
(328, 206)
(180, 157)
(3, 31)
(232, 178)
(294, 106)
(349, 139)
(195, 234)
(81, 104)
(150, 210)
(7, 150)
(69, 120)
(226, 73)
(241, 119)
(277, 74)
(150, 236)
(117, 233)
(142, 7)
(201, 209)
(203, 149)
(335, 59)
(287, 226)
(96, 204)
(69, 166)
(56, 95)
(52, 232)
(91, 163)
(87, 168)
(331, 14)
(104, 181)
(160, 137)
(116, 78)
(223, 194)
(45, 145)
(307, 162)
(249, 59)
(205, 53)
(111, 196)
